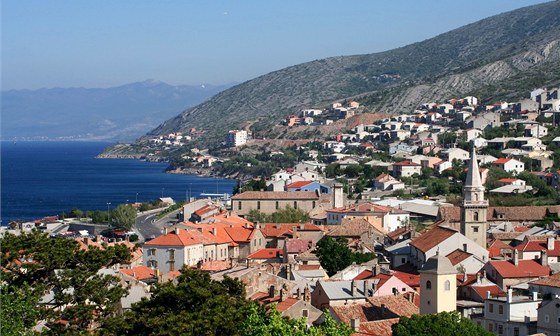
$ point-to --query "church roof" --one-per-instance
(438, 264)
(473, 174)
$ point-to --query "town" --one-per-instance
(450, 208)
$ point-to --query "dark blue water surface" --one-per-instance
(46, 178)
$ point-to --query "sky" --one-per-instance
(104, 43)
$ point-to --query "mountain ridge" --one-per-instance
(472, 50)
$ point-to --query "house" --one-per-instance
(236, 138)
(506, 273)
(510, 315)
(308, 186)
(535, 131)
(442, 166)
(548, 316)
(509, 165)
(455, 154)
(533, 247)
(362, 236)
(377, 315)
(266, 255)
(271, 201)
(406, 168)
(386, 182)
(384, 282)
(171, 251)
(465, 261)
(391, 218)
(340, 293)
(547, 286)
(276, 234)
(294, 247)
(445, 240)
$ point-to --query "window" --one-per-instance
(558, 320)
(546, 318)
(465, 247)
(152, 252)
(258, 205)
(295, 204)
(171, 266)
(428, 284)
(305, 313)
(515, 331)
(404, 289)
(500, 309)
(314, 204)
(475, 216)
(500, 329)
(277, 205)
(171, 254)
(447, 285)
(239, 205)
(491, 308)
(403, 260)
(475, 228)
(490, 326)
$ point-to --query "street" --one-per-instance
(148, 227)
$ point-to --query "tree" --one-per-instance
(335, 255)
(444, 324)
(124, 216)
(286, 215)
(197, 305)
(34, 265)
(263, 322)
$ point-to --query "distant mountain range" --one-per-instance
(120, 113)
(500, 57)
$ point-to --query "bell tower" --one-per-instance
(474, 208)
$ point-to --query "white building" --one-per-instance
(171, 251)
(236, 138)
(510, 165)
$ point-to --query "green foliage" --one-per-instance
(197, 305)
(34, 265)
(436, 187)
(170, 208)
(263, 322)
(123, 216)
(254, 185)
(444, 324)
(286, 215)
(335, 255)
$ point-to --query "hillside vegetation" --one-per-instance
(501, 56)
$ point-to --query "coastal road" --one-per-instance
(148, 226)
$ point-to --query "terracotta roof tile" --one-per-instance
(482, 291)
(394, 235)
(539, 245)
(413, 280)
(266, 253)
(139, 272)
(550, 281)
(377, 328)
(286, 304)
(182, 238)
(297, 245)
(526, 268)
(518, 213)
(458, 256)
(432, 238)
(298, 184)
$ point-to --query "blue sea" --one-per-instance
(46, 178)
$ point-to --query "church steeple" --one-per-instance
(474, 208)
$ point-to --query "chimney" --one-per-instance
(214, 231)
(535, 296)
(376, 270)
(487, 294)
(550, 243)
(199, 229)
(477, 277)
(257, 225)
(177, 230)
(465, 276)
(510, 295)
(544, 258)
(164, 230)
(298, 293)
(271, 291)
(353, 288)
(301, 226)
(366, 288)
(306, 294)
(355, 324)
(515, 257)
(86, 240)
(282, 294)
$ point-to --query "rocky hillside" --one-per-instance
(490, 55)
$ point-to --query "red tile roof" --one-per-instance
(183, 238)
(279, 230)
(286, 304)
(432, 238)
(482, 291)
(140, 272)
(507, 180)
(266, 253)
(539, 245)
(550, 281)
(297, 245)
(526, 269)
(298, 184)
(413, 280)
(501, 161)
(458, 256)
(502, 213)
(394, 235)
(377, 328)
(407, 163)
(240, 234)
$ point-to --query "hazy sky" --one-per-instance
(105, 43)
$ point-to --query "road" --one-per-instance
(149, 227)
